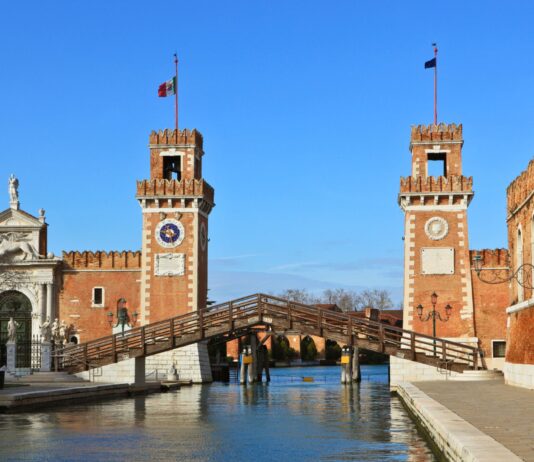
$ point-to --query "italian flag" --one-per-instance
(167, 88)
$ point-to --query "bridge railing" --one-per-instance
(261, 309)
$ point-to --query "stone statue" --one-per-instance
(63, 333)
(13, 191)
(16, 247)
(55, 331)
(12, 327)
(172, 374)
(46, 330)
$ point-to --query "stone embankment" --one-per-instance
(473, 420)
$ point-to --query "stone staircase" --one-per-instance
(478, 375)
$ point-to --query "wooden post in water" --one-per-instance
(254, 351)
(266, 363)
(356, 372)
(242, 368)
(346, 360)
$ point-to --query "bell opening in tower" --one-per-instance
(437, 164)
(172, 168)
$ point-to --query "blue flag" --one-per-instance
(430, 64)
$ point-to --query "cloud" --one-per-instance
(358, 265)
(227, 285)
(234, 260)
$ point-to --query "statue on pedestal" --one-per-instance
(63, 333)
(12, 327)
(55, 332)
(46, 330)
(13, 191)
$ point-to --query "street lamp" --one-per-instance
(434, 315)
(123, 318)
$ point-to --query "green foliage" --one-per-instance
(332, 351)
(281, 351)
(308, 350)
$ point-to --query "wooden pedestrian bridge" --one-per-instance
(243, 316)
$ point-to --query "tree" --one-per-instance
(299, 296)
(375, 298)
(345, 299)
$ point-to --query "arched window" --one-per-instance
(519, 262)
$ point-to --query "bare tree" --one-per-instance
(300, 296)
(374, 298)
(345, 299)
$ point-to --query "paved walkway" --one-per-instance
(501, 411)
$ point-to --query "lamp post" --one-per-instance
(434, 315)
(123, 318)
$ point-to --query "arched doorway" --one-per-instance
(16, 305)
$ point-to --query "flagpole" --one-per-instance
(435, 85)
(176, 93)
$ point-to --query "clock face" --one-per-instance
(436, 228)
(170, 233)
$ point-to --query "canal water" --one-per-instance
(288, 419)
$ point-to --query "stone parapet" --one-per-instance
(176, 137)
(491, 258)
(436, 133)
(454, 184)
(102, 260)
(521, 189)
(174, 188)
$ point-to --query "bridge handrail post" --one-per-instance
(201, 322)
(231, 316)
(443, 350)
(381, 338)
(171, 331)
(85, 360)
(475, 359)
(320, 321)
(114, 348)
(143, 341)
(412, 344)
(349, 330)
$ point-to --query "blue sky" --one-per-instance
(305, 108)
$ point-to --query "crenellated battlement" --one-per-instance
(429, 184)
(436, 133)
(126, 259)
(520, 189)
(185, 187)
(176, 137)
(491, 258)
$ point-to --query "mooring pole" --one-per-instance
(356, 372)
(242, 368)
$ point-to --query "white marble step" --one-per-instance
(478, 375)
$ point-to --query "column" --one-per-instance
(42, 302)
(49, 301)
(140, 371)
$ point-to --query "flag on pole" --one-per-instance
(430, 64)
(167, 88)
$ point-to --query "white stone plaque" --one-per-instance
(437, 260)
(169, 264)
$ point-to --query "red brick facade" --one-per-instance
(437, 256)
(520, 219)
(169, 275)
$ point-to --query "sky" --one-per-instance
(305, 108)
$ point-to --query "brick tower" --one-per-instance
(176, 202)
(436, 250)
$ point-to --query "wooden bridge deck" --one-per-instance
(239, 317)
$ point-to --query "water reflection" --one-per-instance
(284, 420)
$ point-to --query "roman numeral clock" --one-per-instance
(169, 234)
